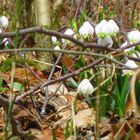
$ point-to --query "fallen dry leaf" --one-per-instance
(85, 118)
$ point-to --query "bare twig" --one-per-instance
(57, 34)
(18, 98)
(49, 78)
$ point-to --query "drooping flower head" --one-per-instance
(134, 36)
(102, 29)
(4, 22)
(68, 32)
(86, 29)
(54, 39)
(113, 27)
(131, 64)
(85, 88)
(0, 31)
(105, 41)
(57, 48)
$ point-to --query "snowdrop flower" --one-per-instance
(1, 31)
(68, 32)
(5, 41)
(134, 36)
(54, 39)
(131, 64)
(85, 88)
(102, 29)
(113, 27)
(125, 44)
(86, 29)
(105, 41)
(57, 48)
(4, 22)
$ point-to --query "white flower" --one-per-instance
(54, 39)
(86, 29)
(68, 32)
(105, 41)
(105, 28)
(134, 36)
(125, 44)
(102, 29)
(4, 22)
(113, 27)
(1, 31)
(85, 88)
(130, 64)
(5, 41)
(57, 48)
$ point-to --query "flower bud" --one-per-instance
(4, 22)
(57, 48)
(85, 88)
(54, 39)
(1, 31)
(68, 32)
(5, 41)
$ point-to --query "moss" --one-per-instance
(6, 65)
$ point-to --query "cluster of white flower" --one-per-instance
(134, 37)
(105, 30)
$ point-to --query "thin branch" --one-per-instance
(18, 98)
(57, 34)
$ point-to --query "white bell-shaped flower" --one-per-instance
(113, 27)
(85, 88)
(5, 41)
(57, 48)
(68, 32)
(105, 41)
(4, 22)
(130, 64)
(54, 39)
(102, 29)
(134, 36)
(86, 29)
(1, 31)
(125, 44)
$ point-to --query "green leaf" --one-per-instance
(54, 134)
(125, 90)
(17, 87)
(74, 25)
(67, 130)
(1, 82)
